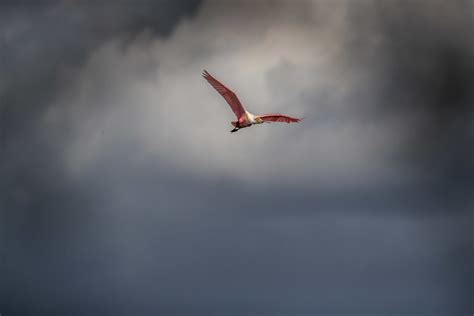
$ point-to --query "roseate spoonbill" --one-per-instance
(244, 117)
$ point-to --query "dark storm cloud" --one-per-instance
(43, 44)
(115, 199)
(427, 69)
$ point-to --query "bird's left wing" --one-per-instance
(225, 92)
(278, 118)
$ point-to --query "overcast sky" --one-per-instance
(123, 192)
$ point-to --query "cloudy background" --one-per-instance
(123, 192)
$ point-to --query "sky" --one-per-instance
(123, 192)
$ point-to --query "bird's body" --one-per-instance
(246, 120)
(244, 117)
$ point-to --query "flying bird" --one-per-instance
(244, 117)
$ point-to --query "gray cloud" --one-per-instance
(123, 191)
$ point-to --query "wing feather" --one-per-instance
(279, 118)
(226, 93)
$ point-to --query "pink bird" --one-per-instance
(244, 118)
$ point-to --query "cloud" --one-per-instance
(123, 191)
(150, 92)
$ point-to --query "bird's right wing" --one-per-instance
(228, 94)
(278, 118)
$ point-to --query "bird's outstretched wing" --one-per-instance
(278, 118)
(228, 94)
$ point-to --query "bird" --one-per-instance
(244, 117)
